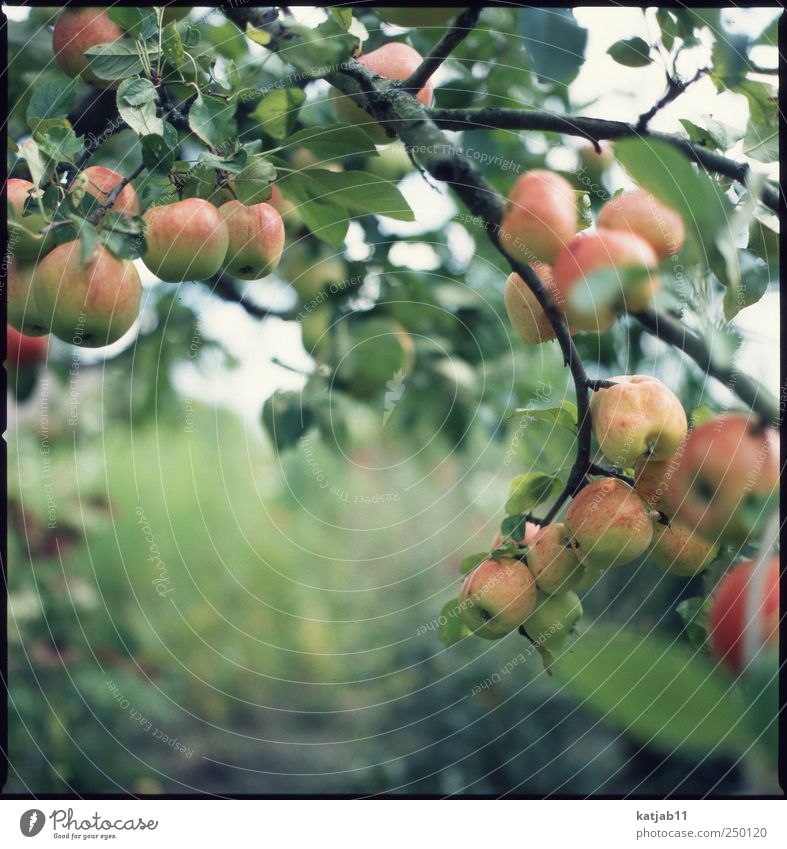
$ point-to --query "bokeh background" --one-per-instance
(193, 610)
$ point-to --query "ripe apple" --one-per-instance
(286, 208)
(23, 313)
(187, 240)
(396, 61)
(553, 620)
(531, 530)
(678, 549)
(77, 30)
(727, 472)
(412, 16)
(552, 560)
(594, 251)
(91, 304)
(496, 597)
(101, 181)
(651, 479)
(540, 217)
(608, 523)
(727, 620)
(24, 351)
(640, 213)
(256, 239)
(638, 417)
(526, 315)
(25, 240)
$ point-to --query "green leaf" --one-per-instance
(471, 561)
(631, 52)
(770, 35)
(313, 51)
(666, 173)
(28, 150)
(764, 238)
(172, 46)
(514, 527)
(753, 279)
(138, 22)
(668, 26)
(115, 60)
(343, 16)
(277, 112)
(657, 692)
(123, 236)
(730, 58)
(694, 615)
(60, 144)
(52, 100)
(136, 103)
(564, 416)
(210, 119)
(333, 141)
(529, 489)
(87, 239)
(357, 191)
(700, 135)
(555, 43)
(761, 142)
(253, 182)
(234, 164)
(160, 150)
(286, 419)
(258, 36)
(451, 627)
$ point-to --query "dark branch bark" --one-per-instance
(112, 196)
(593, 129)
(610, 473)
(676, 333)
(675, 88)
(459, 31)
(223, 286)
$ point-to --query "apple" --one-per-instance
(23, 351)
(540, 217)
(727, 620)
(315, 329)
(608, 523)
(101, 181)
(90, 304)
(678, 549)
(286, 208)
(23, 314)
(77, 30)
(638, 417)
(413, 16)
(256, 239)
(651, 479)
(552, 560)
(640, 213)
(393, 163)
(396, 61)
(25, 240)
(496, 597)
(727, 473)
(594, 251)
(187, 240)
(309, 274)
(553, 620)
(526, 315)
(594, 163)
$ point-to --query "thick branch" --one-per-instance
(676, 333)
(443, 49)
(593, 129)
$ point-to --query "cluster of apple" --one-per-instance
(693, 491)
(539, 227)
(94, 300)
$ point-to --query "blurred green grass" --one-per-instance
(263, 612)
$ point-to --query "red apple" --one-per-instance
(256, 239)
(24, 351)
(77, 30)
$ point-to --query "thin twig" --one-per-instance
(676, 333)
(459, 31)
(103, 208)
(675, 88)
(595, 469)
